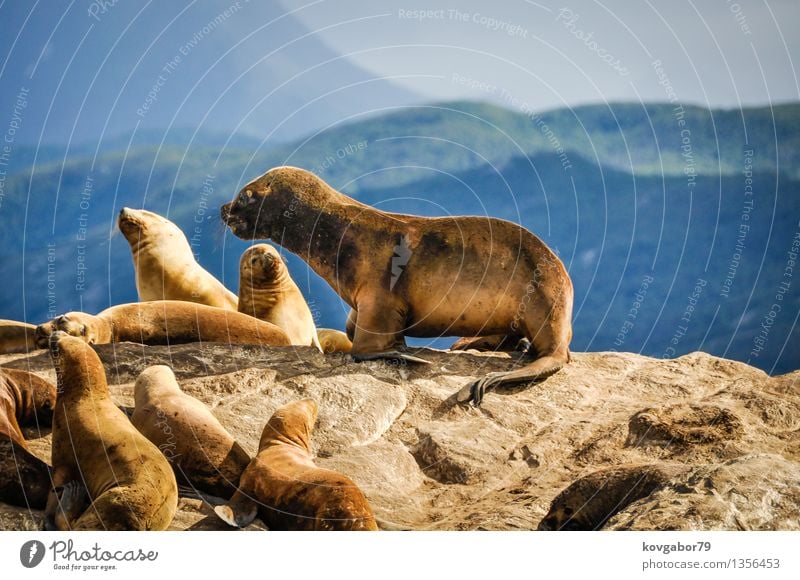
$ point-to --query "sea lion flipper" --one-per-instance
(539, 369)
(239, 512)
(65, 505)
(389, 355)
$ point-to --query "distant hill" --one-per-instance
(618, 228)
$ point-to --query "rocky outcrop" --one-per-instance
(637, 443)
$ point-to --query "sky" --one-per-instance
(545, 54)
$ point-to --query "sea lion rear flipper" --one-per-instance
(537, 370)
(390, 355)
(65, 505)
(239, 512)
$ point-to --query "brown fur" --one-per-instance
(202, 452)
(164, 322)
(267, 292)
(16, 337)
(129, 484)
(407, 275)
(165, 264)
(25, 400)
(589, 502)
(291, 491)
(331, 340)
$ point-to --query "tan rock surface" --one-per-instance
(426, 463)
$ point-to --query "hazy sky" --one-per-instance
(549, 54)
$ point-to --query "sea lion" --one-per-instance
(407, 275)
(333, 341)
(165, 265)
(267, 292)
(25, 399)
(164, 322)
(284, 486)
(106, 475)
(16, 337)
(202, 453)
(589, 502)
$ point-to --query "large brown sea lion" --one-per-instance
(25, 400)
(407, 275)
(165, 265)
(284, 486)
(267, 292)
(202, 452)
(164, 322)
(106, 475)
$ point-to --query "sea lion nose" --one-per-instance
(225, 212)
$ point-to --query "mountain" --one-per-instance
(664, 262)
(94, 71)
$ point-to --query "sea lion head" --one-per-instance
(561, 517)
(138, 225)
(157, 379)
(72, 358)
(260, 263)
(291, 424)
(84, 326)
(262, 207)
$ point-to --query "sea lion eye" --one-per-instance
(83, 330)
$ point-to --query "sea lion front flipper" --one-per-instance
(65, 505)
(239, 512)
(390, 355)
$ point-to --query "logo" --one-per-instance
(31, 553)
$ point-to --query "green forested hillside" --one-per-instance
(617, 191)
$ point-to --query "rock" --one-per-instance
(697, 442)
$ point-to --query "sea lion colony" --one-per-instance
(482, 278)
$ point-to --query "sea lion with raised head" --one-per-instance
(25, 400)
(284, 486)
(267, 292)
(407, 275)
(163, 322)
(203, 454)
(165, 265)
(106, 475)
(16, 337)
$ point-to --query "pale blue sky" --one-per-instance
(713, 52)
